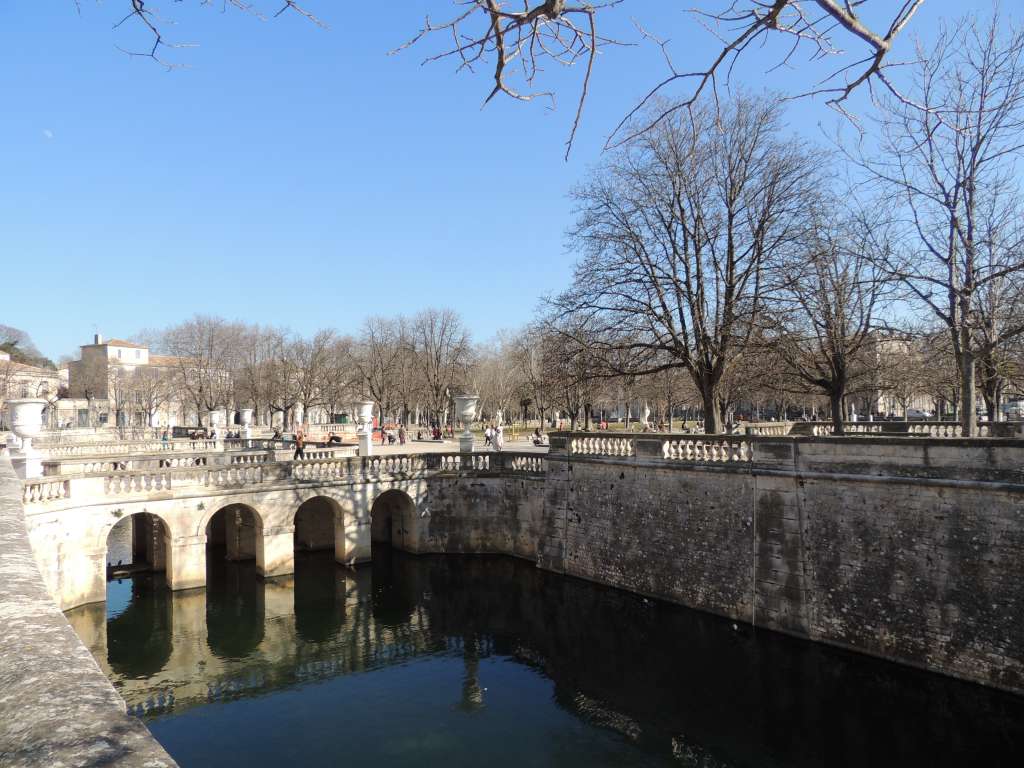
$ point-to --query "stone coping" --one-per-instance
(56, 707)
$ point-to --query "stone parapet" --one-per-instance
(908, 548)
(56, 706)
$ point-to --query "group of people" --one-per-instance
(435, 433)
(391, 436)
(494, 437)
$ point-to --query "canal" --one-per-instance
(487, 661)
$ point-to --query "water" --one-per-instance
(481, 661)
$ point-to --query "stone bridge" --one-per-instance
(259, 507)
(905, 547)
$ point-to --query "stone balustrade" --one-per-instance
(707, 450)
(45, 489)
(873, 453)
(768, 428)
(253, 470)
(939, 429)
(585, 444)
(129, 447)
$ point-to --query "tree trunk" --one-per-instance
(968, 418)
(835, 399)
(712, 420)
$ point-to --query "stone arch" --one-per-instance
(139, 630)
(238, 528)
(393, 519)
(316, 522)
(235, 602)
(103, 531)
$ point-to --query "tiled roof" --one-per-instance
(164, 360)
(123, 343)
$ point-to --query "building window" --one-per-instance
(119, 354)
(138, 354)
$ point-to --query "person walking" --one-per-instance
(488, 434)
(499, 437)
(401, 435)
(300, 446)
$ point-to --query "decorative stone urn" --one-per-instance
(364, 419)
(465, 408)
(245, 418)
(26, 417)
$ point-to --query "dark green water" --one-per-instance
(472, 661)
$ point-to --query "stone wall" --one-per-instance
(56, 706)
(909, 550)
(477, 515)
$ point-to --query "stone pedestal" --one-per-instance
(245, 417)
(465, 408)
(365, 443)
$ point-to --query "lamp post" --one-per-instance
(465, 407)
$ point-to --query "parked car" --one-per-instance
(916, 414)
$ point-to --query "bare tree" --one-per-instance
(310, 362)
(515, 42)
(256, 378)
(677, 229)
(207, 352)
(443, 354)
(829, 303)
(498, 377)
(152, 387)
(947, 158)
(377, 358)
(570, 368)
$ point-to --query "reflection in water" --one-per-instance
(235, 619)
(489, 661)
(139, 636)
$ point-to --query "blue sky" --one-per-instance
(296, 176)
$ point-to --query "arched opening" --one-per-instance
(234, 533)
(235, 605)
(319, 584)
(138, 604)
(235, 608)
(137, 543)
(390, 518)
(315, 522)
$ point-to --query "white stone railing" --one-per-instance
(602, 446)
(127, 448)
(247, 458)
(252, 469)
(46, 489)
(708, 450)
(525, 462)
(896, 428)
(768, 428)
